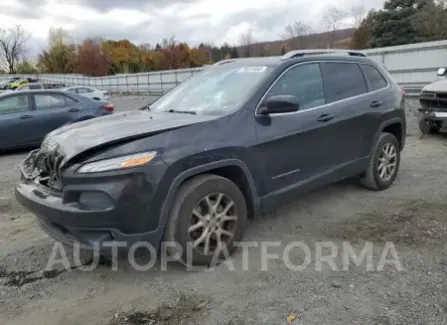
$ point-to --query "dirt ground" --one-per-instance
(411, 215)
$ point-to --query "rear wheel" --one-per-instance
(384, 164)
(209, 215)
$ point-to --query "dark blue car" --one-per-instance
(27, 116)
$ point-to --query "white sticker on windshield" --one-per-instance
(252, 69)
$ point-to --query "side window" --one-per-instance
(343, 80)
(303, 81)
(82, 90)
(375, 78)
(46, 101)
(89, 90)
(13, 104)
(69, 101)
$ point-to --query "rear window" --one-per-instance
(375, 78)
(343, 80)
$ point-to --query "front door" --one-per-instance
(292, 145)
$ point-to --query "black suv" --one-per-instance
(226, 145)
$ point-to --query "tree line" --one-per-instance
(397, 22)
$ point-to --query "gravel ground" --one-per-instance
(410, 215)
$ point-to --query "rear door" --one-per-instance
(380, 99)
(16, 121)
(53, 110)
(348, 107)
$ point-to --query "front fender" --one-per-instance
(202, 169)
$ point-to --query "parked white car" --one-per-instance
(90, 92)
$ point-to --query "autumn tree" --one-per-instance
(61, 55)
(296, 34)
(332, 20)
(363, 34)
(13, 46)
(93, 60)
(246, 40)
(124, 54)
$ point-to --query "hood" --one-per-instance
(73, 139)
(437, 86)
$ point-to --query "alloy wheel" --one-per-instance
(387, 162)
(212, 223)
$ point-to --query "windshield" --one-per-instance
(214, 91)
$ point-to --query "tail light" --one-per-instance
(402, 89)
(106, 93)
(108, 107)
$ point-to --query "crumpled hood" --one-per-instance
(72, 139)
(437, 86)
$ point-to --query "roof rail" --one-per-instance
(298, 53)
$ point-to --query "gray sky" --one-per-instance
(148, 21)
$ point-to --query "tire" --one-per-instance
(372, 177)
(191, 196)
(427, 127)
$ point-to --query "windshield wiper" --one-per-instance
(182, 112)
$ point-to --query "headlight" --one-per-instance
(117, 163)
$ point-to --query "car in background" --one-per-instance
(5, 82)
(16, 84)
(27, 116)
(31, 86)
(90, 92)
(432, 113)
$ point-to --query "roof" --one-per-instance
(296, 54)
(30, 91)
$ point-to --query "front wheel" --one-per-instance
(209, 215)
(384, 164)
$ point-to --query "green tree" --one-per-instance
(234, 54)
(393, 25)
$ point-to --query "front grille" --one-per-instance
(434, 101)
(45, 167)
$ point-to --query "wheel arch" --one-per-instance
(232, 169)
(393, 126)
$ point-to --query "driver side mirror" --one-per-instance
(280, 104)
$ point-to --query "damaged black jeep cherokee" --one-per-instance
(231, 142)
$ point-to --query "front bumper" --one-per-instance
(433, 116)
(99, 212)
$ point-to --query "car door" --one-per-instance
(292, 146)
(16, 121)
(53, 110)
(380, 99)
(347, 95)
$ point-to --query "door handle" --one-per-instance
(325, 118)
(73, 110)
(23, 117)
(376, 103)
